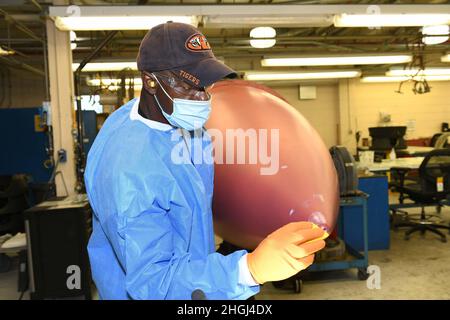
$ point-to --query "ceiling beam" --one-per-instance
(246, 9)
(17, 64)
(20, 26)
(14, 3)
(36, 4)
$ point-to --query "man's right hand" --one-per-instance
(285, 252)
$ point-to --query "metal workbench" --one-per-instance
(354, 258)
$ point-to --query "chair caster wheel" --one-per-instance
(406, 238)
(5, 263)
(444, 240)
(298, 286)
(278, 284)
(362, 274)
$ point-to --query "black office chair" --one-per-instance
(442, 141)
(434, 138)
(13, 201)
(432, 187)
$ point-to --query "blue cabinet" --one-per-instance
(350, 218)
(23, 144)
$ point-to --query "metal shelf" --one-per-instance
(354, 259)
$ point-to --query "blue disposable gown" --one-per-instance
(152, 227)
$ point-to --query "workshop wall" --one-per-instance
(321, 112)
(357, 106)
(424, 113)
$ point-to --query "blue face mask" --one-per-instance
(187, 114)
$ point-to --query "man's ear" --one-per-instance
(149, 83)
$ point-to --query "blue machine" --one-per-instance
(350, 219)
(23, 144)
(363, 225)
(358, 258)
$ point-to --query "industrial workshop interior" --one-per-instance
(224, 150)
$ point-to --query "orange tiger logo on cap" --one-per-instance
(197, 42)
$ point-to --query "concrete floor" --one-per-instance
(414, 269)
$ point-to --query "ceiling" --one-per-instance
(22, 28)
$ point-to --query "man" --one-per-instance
(152, 228)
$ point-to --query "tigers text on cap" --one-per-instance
(181, 48)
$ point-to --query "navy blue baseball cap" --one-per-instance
(181, 48)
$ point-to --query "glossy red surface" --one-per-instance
(255, 197)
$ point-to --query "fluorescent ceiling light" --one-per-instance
(384, 79)
(439, 34)
(73, 38)
(337, 60)
(106, 66)
(390, 20)
(118, 22)
(262, 43)
(445, 58)
(252, 20)
(222, 16)
(400, 79)
(270, 76)
(116, 87)
(415, 72)
(436, 30)
(275, 15)
(108, 82)
(434, 40)
(263, 32)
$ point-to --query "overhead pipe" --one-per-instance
(20, 26)
(14, 50)
(81, 157)
(24, 40)
(36, 4)
(288, 40)
(21, 65)
(47, 76)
